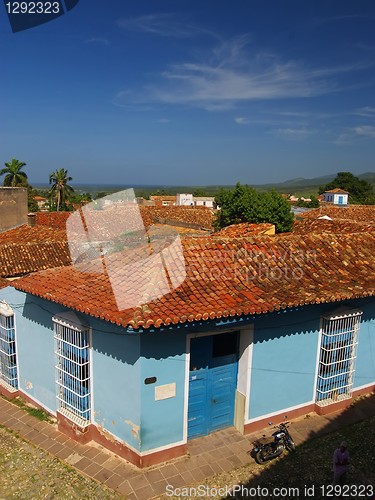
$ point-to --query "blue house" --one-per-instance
(261, 327)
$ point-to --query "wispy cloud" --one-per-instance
(345, 17)
(365, 130)
(242, 120)
(366, 111)
(354, 134)
(232, 73)
(292, 133)
(165, 24)
(100, 40)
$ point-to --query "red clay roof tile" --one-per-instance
(273, 273)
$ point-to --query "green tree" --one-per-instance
(60, 189)
(200, 192)
(360, 191)
(244, 204)
(32, 205)
(14, 176)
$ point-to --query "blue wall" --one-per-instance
(282, 373)
(163, 357)
(116, 382)
(283, 361)
(35, 346)
(365, 365)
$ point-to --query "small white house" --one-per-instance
(336, 196)
(185, 199)
(204, 201)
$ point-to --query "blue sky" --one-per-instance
(188, 92)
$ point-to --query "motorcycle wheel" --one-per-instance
(259, 458)
(290, 445)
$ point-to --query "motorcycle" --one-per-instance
(267, 448)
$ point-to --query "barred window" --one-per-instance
(8, 354)
(338, 348)
(72, 350)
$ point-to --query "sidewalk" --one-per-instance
(219, 452)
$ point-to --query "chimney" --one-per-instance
(31, 219)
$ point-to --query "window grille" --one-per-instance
(72, 350)
(338, 350)
(8, 354)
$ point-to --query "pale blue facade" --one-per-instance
(128, 367)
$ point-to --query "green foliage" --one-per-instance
(32, 205)
(79, 199)
(360, 191)
(200, 192)
(14, 176)
(244, 204)
(60, 189)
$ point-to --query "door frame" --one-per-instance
(243, 373)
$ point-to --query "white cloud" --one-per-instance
(365, 130)
(231, 73)
(165, 24)
(366, 111)
(242, 120)
(100, 40)
(292, 133)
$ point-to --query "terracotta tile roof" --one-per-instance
(337, 190)
(165, 198)
(28, 234)
(56, 220)
(197, 216)
(4, 283)
(229, 278)
(245, 229)
(332, 226)
(356, 213)
(26, 249)
(17, 259)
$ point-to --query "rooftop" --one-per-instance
(337, 190)
(26, 249)
(354, 213)
(4, 283)
(228, 278)
(245, 229)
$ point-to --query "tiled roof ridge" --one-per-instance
(339, 268)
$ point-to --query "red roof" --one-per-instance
(26, 249)
(337, 190)
(32, 234)
(245, 229)
(56, 220)
(4, 283)
(355, 213)
(227, 278)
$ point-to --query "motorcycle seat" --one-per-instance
(264, 440)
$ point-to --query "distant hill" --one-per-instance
(299, 186)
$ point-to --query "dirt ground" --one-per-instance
(30, 473)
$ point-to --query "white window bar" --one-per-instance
(72, 350)
(8, 354)
(338, 352)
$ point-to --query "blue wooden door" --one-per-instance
(212, 383)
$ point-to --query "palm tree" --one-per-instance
(14, 176)
(60, 187)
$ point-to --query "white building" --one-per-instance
(336, 196)
(185, 200)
